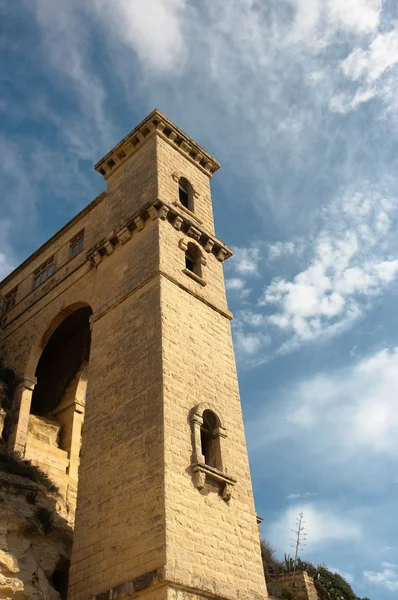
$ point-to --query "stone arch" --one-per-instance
(49, 328)
(207, 433)
(56, 408)
(199, 409)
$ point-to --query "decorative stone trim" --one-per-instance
(183, 244)
(124, 235)
(208, 247)
(163, 212)
(194, 232)
(139, 223)
(181, 220)
(201, 471)
(108, 248)
(177, 223)
(186, 210)
(195, 277)
(156, 124)
(26, 382)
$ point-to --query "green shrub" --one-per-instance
(287, 595)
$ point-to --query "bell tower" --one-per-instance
(165, 507)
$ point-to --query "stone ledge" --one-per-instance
(195, 277)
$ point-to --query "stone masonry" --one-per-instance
(165, 505)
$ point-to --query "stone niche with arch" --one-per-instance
(207, 464)
(53, 437)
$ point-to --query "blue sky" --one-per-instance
(298, 100)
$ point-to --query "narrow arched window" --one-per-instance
(193, 259)
(185, 193)
(210, 441)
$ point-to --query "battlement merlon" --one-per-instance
(156, 123)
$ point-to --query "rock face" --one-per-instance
(33, 564)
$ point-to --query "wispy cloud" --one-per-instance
(387, 577)
(351, 259)
(346, 412)
(245, 261)
(373, 69)
(154, 30)
(323, 525)
(282, 249)
(296, 496)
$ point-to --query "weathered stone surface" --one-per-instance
(44, 430)
(28, 558)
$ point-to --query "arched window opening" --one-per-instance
(208, 440)
(185, 193)
(193, 259)
(207, 460)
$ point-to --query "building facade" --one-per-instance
(129, 296)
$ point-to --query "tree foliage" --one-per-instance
(330, 586)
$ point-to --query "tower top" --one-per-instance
(156, 123)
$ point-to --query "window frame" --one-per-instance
(75, 243)
(42, 274)
(10, 300)
(186, 187)
(201, 470)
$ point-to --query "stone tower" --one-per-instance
(130, 296)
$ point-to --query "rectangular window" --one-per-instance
(76, 244)
(42, 274)
(10, 300)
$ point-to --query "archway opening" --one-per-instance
(58, 400)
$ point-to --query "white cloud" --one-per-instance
(153, 29)
(245, 261)
(234, 284)
(66, 42)
(387, 577)
(351, 260)
(347, 412)
(294, 496)
(359, 16)
(281, 249)
(372, 63)
(248, 344)
(372, 70)
(317, 19)
(323, 525)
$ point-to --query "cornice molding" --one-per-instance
(171, 213)
(156, 124)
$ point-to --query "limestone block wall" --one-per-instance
(132, 186)
(212, 544)
(301, 584)
(169, 162)
(43, 450)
